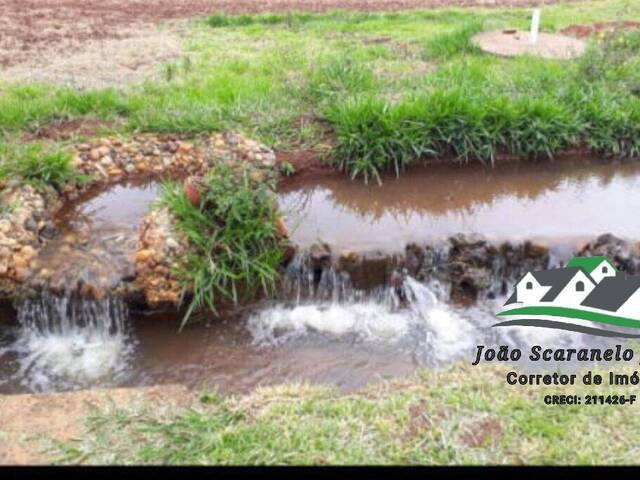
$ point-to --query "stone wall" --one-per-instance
(25, 222)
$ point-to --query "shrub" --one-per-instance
(236, 251)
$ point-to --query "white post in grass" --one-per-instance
(535, 26)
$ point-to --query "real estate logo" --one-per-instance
(589, 295)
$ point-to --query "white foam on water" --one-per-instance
(72, 343)
(369, 321)
(426, 324)
(432, 331)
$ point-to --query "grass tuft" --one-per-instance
(233, 232)
(38, 165)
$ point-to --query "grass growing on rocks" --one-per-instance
(233, 235)
(462, 415)
(38, 164)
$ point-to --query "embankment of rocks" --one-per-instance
(469, 268)
(26, 220)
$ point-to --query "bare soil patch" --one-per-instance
(306, 164)
(26, 419)
(584, 31)
(67, 129)
(31, 26)
(482, 432)
(107, 62)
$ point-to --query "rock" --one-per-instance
(625, 255)
(104, 151)
(191, 188)
(320, 253)
(28, 251)
(94, 154)
(143, 256)
(281, 229)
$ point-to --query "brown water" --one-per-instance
(345, 343)
(565, 201)
(97, 236)
(223, 355)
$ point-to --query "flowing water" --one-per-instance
(320, 328)
(59, 345)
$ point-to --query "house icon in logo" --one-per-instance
(587, 289)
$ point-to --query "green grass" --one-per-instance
(37, 164)
(265, 74)
(457, 42)
(461, 415)
(478, 109)
(233, 236)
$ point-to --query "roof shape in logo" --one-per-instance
(611, 293)
(588, 264)
(557, 279)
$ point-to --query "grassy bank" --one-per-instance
(463, 415)
(384, 88)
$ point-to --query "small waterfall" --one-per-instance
(306, 279)
(69, 341)
(405, 313)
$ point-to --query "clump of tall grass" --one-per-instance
(38, 165)
(472, 114)
(374, 136)
(233, 234)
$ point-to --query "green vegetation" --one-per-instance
(472, 113)
(37, 164)
(233, 234)
(385, 88)
(457, 42)
(453, 416)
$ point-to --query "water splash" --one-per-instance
(412, 317)
(70, 342)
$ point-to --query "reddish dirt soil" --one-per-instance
(25, 420)
(483, 432)
(29, 26)
(67, 129)
(306, 164)
(583, 31)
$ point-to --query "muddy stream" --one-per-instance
(341, 335)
